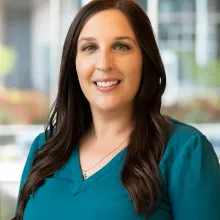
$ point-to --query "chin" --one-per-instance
(108, 107)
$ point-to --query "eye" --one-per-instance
(89, 48)
(122, 47)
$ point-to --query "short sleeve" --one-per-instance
(29, 161)
(194, 185)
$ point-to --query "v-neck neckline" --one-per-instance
(81, 183)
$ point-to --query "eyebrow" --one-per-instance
(116, 38)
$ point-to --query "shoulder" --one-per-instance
(37, 143)
(182, 131)
(185, 140)
(41, 139)
(191, 174)
(181, 134)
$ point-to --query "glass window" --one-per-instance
(213, 5)
(143, 4)
(177, 6)
(189, 39)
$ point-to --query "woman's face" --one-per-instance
(108, 51)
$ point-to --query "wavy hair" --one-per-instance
(70, 115)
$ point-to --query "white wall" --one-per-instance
(51, 20)
(85, 2)
(69, 9)
(2, 26)
(40, 40)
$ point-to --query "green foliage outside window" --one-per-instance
(207, 75)
(7, 60)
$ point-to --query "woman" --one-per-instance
(107, 152)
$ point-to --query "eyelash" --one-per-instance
(128, 48)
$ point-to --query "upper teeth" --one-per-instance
(105, 84)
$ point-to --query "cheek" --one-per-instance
(133, 68)
(84, 70)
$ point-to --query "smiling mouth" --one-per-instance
(107, 84)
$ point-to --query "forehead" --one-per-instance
(106, 24)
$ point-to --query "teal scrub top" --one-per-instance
(191, 185)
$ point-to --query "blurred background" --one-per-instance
(32, 34)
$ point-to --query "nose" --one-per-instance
(104, 62)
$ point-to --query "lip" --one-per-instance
(106, 80)
(106, 89)
(109, 88)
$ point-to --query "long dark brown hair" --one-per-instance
(70, 115)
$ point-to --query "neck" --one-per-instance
(111, 124)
